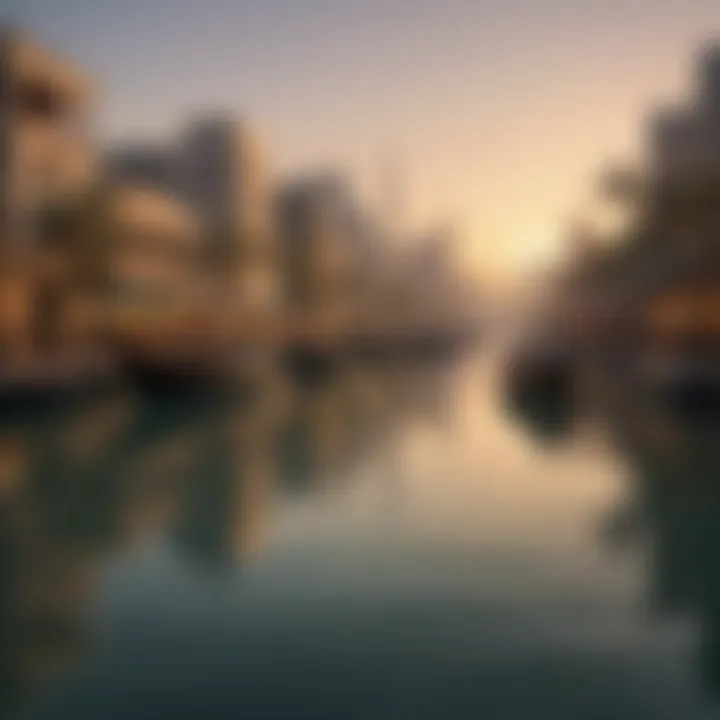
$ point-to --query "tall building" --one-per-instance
(46, 151)
(218, 165)
(685, 140)
(319, 224)
(710, 79)
(225, 174)
(47, 161)
(219, 169)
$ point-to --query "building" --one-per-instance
(47, 160)
(218, 168)
(157, 239)
(709, 78)
(225, 175)
(318, 222)
(685, 140)
(46, 147)
(145, 164)
(46, 150)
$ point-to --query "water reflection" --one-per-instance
(166, 527)
(87, 480)
(671, 514)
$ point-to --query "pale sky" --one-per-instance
(498, 113)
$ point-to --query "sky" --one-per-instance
(494, 116)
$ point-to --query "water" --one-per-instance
(390, 542)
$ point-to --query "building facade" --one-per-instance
(46, 149)
(219, 169)
(47, 160)
(685, 140)
(318, 230)
(145, 164)
(225, 175)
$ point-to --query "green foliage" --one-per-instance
(670, 216)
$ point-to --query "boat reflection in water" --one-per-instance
(87, 481)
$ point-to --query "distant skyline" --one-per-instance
(497, 114)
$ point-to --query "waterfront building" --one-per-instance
(46, 148)
(47, 158)
(217, 167)
(157, 239)
(224, 174)
(318, 229)
(155, 269)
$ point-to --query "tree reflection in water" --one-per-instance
(673, 512)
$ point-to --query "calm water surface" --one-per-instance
(388, 543)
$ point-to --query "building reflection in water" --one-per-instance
(672, 513)
(85, 480)
(227, 491)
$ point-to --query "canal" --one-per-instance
(390, 541)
